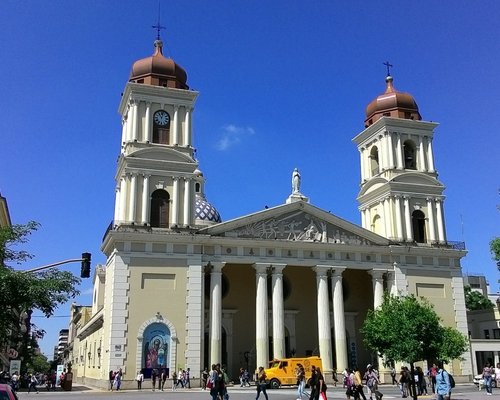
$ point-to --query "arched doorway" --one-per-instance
(159, 209)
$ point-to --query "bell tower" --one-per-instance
(155, 177)
(400, 196)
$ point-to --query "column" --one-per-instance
(133, 198)
(187, 126)
(432, 228)
(363, 162)
(381, 154)
(124, 130)
(175, 201)
(145, 199)
(399, 225)
(135, 119)
(363, 218)
(422, 155)
(387, 217)
(175, 128)
(378, 299)
(187, 201)
(116, 216)
(339, 320)
(409, 231)
(399, 152)
(278, 311)
(147, 125)
(128, 122)
(261, 328)
(391, 150)
(215, 312)
(123, 198)
(440, 221)
(324, 332)
(430, 155)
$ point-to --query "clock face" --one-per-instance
(161, 118)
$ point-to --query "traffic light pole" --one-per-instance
(85, 260)
(71, 260)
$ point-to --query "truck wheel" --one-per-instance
(274, 384)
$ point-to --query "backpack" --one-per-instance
(452, 380)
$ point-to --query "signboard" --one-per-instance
(60, 369)
(15, 366)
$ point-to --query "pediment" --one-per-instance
(416, 179)
(297, 221)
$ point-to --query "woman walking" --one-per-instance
(301, 381)
(261, 383)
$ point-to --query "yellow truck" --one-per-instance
(282, 372)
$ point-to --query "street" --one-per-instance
(460, 392)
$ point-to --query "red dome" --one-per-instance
(159, 71)
(392, 104)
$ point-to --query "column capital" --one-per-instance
(322, 270)
(148, 103)
(146, 175)
(261, 268)
(215, 266)
(277, 268)
(337, 271)
(429, 199)
(377, 274)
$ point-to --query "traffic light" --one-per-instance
(85, 272)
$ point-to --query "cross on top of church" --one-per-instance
(158, 26)
(388, 65)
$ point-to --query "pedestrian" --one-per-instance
(488, 373)
(350, 385)
(163, 378)
(118, 379)
(14, 381)
(402, 383)
(432, 376)
(111, 377)
(443, 386)
(320, 386)
(204, 378)
(358, 384)
(212, 382)
(174, 380)
(301, 381)
(261, 383)
(187, 377)
(32, 383)
(372, 382)
(497, 374)
(154, 376)
(312, 383)
(139, 379)
(393, 376)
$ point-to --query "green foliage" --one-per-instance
(39, 363)
(495, 248)
(23, 292)
(406, 329)
(476, 301)
(453, 344)
(11, 236)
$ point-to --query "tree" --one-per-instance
(21, 292)
(495, 248)
(408, 329)
(475, 300)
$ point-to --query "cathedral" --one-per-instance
(183, 289)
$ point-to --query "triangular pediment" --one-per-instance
(298, 221)
(161, 154)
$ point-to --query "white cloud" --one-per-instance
(232, 135)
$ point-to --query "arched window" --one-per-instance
(161, 127)
(374, 165)
(159, 209)
(377, 225)
(418, 226)
(409, 154)
(197, 187)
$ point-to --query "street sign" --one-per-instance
(15, 366)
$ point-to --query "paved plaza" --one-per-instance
(461, 392)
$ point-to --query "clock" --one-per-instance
(161, 118)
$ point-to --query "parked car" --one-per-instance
(479, 377)
(6, 392)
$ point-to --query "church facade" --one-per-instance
(182, 289)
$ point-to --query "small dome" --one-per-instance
(205, 212)
(392, 104)
(159, 71)
(197, 172)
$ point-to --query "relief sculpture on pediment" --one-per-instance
(299, 227)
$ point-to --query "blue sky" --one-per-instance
(282, 84)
